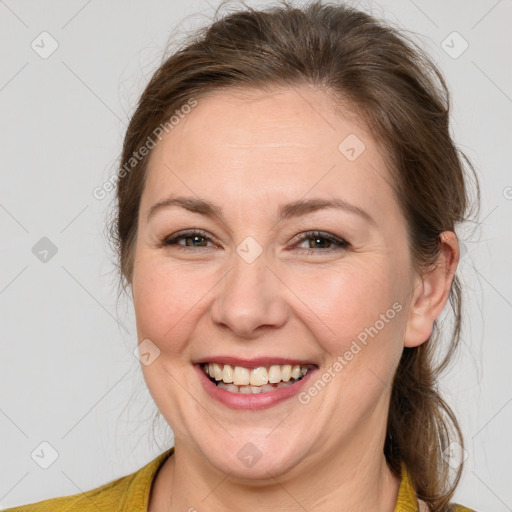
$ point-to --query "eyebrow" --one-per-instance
(285, 211)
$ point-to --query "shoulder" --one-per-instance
(129, 492)
(105, 497)
(408, 500)
(453, 507)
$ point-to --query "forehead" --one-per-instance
(274, 145)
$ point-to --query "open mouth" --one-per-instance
(237, 379)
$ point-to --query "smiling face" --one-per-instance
(255, 287)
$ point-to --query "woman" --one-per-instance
(287, 203)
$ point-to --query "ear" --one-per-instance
(431, 291)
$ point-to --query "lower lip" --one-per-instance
(251, 401)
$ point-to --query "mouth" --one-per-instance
(254, 380)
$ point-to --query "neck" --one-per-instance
(357, 479)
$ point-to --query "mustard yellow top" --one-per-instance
(130, 493)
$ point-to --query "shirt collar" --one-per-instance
(407, 500)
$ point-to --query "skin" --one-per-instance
(249, 152)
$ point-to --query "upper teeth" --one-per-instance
(260, 376)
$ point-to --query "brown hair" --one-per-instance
(390, 83)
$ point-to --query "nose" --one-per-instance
(251, 300)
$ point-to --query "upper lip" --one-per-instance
(254, 362)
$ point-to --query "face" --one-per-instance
(267, 277)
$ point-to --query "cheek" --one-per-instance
(342, 302)
(336, 303)
(166, 301)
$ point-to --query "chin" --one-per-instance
(254, 457)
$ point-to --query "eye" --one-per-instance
(320, 242)
(193, 240)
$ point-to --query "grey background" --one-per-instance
(68, 375)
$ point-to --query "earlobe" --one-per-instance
(431, 292)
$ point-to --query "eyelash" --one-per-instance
(339, 242)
